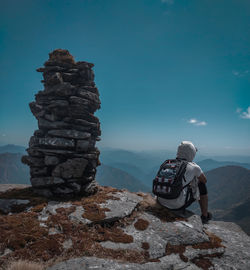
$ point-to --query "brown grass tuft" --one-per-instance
(183, 258)
(203, 261)
(145, 245)
(24, 265)
(94, 212)
(61, 56)
(141, 224)
(113, 234)
(177, 249)
(214, 242)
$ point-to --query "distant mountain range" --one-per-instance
(11, 148)
(108, 176)
(12, 170)
(146, 161)
(228, 186)
(229, 195)
(240, 214)
(210, 164)
(143, 161)
(129, 168)
(228, 181)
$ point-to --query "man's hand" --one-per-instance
(202, 178)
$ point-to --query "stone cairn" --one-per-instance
(62, 155)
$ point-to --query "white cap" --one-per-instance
(186, 150)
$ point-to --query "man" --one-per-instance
(196, 179)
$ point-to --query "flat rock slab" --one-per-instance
(6, 205)
(171, 262)
(237, 243)
(157, 234)
(117, 208)
(122, 207)
(5, 187)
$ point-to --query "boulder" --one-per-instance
(72, 168)
(69, 133)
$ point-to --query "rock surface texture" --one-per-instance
(62, 155)
(115, 229)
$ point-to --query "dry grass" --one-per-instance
(214, 242)
(145, 245)
(91, 204)
(203, 261)
(177, 249)
(61, 56)
(22, 233)
(141, 224)
(24, 265)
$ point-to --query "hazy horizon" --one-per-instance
(171, 150)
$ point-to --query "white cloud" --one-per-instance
(235, 73)
(246, 114)
(238, 73)
(192, 121)
(195, 122)
(238, 110)
(169, 2)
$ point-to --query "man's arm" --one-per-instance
(202, 178)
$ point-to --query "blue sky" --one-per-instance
(167, 70)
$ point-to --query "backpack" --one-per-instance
(168, 181)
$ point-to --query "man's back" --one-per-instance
(193, 171)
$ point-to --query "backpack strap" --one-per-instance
(163, 165)
(189, 198)
(182, 170)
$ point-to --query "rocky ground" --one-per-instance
(113, 229)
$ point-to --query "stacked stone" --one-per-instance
(62, 155)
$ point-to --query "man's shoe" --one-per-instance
(207, 218)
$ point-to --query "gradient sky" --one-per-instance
(167, 70)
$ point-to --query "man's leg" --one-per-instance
(203, 204)
(205, 215)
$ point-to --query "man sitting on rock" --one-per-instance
(196, 179)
